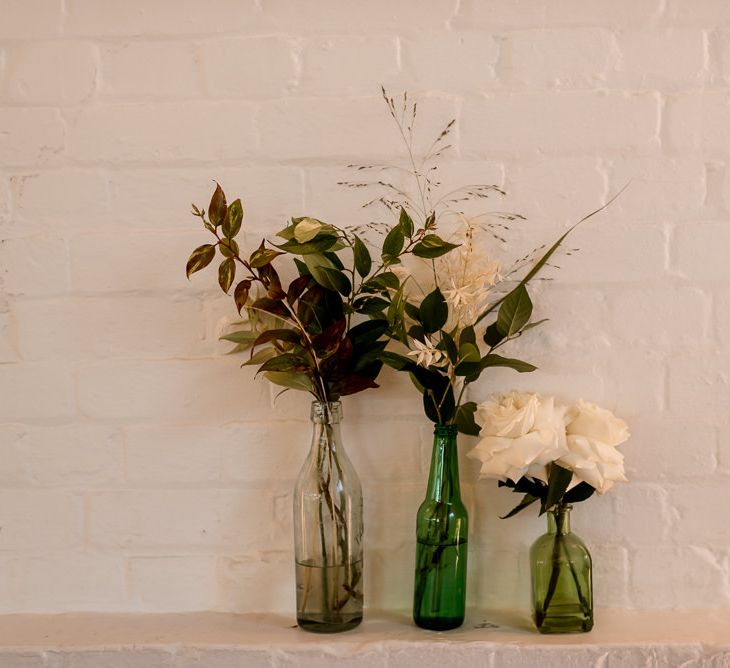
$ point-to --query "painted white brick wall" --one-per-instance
(141, 470)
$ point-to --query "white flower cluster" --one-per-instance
(523, 433)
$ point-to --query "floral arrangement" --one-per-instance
(549, 452)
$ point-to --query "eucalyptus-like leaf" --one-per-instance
(434, 311)
(232, 222)
(244, 337)
(363, 261)
(306, 229)
(515, 311)
(285, 362)
(229, 247)
(432, 246)
(263, 256)
(226, 274)
(240, 294)
(217, 209)
(406, 223)
(319, 244)
(200, 258)
(295, 381)
(261, 356)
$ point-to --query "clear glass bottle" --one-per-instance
(562, 579)
(441, 534)
(328, 528)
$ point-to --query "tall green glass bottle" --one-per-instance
(441, 534)
(562, 580)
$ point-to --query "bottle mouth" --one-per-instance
(326, 412)
(445, 430)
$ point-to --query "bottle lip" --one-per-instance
(555, 510)
(445, 429)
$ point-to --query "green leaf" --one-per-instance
(321, 243)
(363, 262)
(306, 229)
(368, 331)
(229, 247)
(233, 219)
(465, 419)
(492, 336)
(580, 492)
(240, 294)
(294, 381)
(226, 274)
(382, 282)
(434, 311)
(285, 362)
(261, 356)
(244, 337)
(497, 360)
(263, 256)
(406, 223)
(200, 258)
(449, 345)
(327, 277)
(527, 500)
(370, 305)
(393, 243)
(396, 361)
(412, 311)
(468, 352)
(217, 208)
(432, 246)
(515, 311)
(558, 481)
(467, 336)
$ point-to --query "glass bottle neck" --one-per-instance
(559, 520)
(443, 479)
(326, 423)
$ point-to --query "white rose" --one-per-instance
(521, 433)
(592, 436)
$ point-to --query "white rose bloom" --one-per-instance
(521, 434)
(592, 436)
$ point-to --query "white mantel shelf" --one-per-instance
(620, 639)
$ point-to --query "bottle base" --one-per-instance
(323, 624)
(555, 624)
(438, 623)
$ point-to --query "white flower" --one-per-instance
(467, 276)
(592, 436)
(521, 434)
(426, 353)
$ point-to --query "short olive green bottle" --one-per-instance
(441, 534)
(562, 580)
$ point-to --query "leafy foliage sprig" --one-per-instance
(303, 335)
